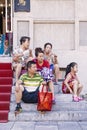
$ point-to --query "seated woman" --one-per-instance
(52, 59)
(41, 64)
(21, 55)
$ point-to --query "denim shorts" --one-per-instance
(30, 97)
(52, 66)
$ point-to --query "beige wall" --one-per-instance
(53, 9)
(61, 22)
(59, 34)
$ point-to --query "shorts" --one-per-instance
(52, 66)
(30, 97)
(65, 90)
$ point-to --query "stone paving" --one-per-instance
(46, 125)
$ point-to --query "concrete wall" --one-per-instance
(61, 22)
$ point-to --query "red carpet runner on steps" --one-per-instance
(5, 90)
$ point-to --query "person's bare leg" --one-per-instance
(51, 87)
(56, 72)
(18, 93)
(80, 87)
(75, 87)
(18, 71)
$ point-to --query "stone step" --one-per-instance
(64, 110)
(49, 116)
(59, 106)
(59, 97)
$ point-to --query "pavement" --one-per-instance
(44, 125)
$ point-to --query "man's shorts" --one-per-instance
(30, 97)
(52, 66)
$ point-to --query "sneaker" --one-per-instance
(18, 110)
(75, 99)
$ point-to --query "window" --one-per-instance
(83, 33)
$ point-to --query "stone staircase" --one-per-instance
(64, 109)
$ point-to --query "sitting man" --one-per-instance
(52, 59)
(27, 87)
(20, 55)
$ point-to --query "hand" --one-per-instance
(30, 53)
(19, 82)
(71, 91)
(44, 82)
(16, 58)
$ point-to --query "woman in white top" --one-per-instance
(21, 54)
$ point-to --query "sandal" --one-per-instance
(75, 99)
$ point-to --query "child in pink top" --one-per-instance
(71, 83)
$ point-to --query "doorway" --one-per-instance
(6, 34)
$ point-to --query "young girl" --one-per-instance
(71, 83)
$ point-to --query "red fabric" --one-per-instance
(45, 64)
(64, 87)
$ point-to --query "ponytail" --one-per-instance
(68, 68)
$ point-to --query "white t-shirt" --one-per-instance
(24, 54)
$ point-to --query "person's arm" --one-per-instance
(42, 82)
(67, 84)
(30, 56)
(55, 59)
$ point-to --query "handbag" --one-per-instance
(44, 100)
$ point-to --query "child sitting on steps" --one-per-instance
(71, 83)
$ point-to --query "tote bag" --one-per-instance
(44, 100)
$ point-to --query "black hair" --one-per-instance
(47, 44)
(30, 63)
(68, 68)
(23, 39)
(38, 50)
